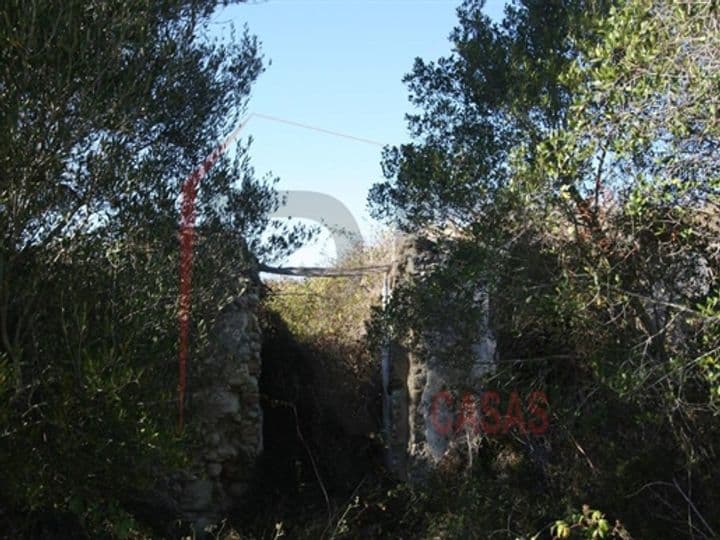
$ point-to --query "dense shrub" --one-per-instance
(106, 109)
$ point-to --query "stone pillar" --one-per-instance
(226, 414)
(428, 369)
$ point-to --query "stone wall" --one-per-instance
(426, 369)
(225, 413)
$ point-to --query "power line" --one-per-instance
(319, 129)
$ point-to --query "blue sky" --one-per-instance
(336, 65)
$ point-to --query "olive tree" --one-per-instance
(105, 109)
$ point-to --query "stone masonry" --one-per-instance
(226, 413)
(417, 370)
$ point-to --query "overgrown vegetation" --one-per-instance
(105, 109)
(576, 147)
(574, 151)
(329, 316)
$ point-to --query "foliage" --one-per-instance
(317, 357)
(575, 146)
(590, 524)
(330, 313)
(105, 108)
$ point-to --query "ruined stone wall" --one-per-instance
(428, 363)
(226, 417)
(225, 413)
